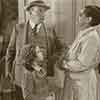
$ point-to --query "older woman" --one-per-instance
(83, 57)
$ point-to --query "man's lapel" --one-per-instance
(25, 40)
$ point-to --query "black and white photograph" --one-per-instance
(49, 49)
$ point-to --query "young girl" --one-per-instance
(35, 84)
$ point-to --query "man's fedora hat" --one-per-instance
(39, 3)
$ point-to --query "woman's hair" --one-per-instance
(93, 12)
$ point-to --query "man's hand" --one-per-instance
(40, 72)
(36, 67)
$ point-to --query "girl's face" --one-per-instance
(37, 14)
(39, 54)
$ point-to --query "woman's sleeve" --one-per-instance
(86, 57)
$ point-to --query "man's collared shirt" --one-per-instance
(32, 24)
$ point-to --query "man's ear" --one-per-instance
(89, 19)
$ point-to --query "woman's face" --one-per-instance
(83, 20)
(37, 14)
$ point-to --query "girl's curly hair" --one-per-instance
(28, 55)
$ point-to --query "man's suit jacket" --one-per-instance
(21, 36)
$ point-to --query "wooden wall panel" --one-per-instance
(21, 16)
(64, 15)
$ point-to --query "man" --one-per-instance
(83, 58)
(35, 32)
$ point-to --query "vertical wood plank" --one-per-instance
(21, 17)
(74, 8)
